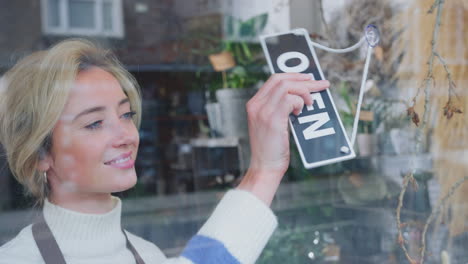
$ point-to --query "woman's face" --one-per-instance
(95, 143)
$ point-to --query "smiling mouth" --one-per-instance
(118, 161)
(123, 161)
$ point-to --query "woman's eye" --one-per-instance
(94, 125)
(129, 115)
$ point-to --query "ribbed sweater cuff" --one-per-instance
(242, 223)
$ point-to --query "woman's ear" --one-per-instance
(44, 164)
(45, 161)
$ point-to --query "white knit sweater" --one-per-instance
(236, 232)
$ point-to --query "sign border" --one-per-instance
(352, 154)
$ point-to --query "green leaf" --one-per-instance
(239, 70)
(238, 54)
(261, 22)
(247, 28)
(246, 51)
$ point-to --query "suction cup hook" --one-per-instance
(372, 35)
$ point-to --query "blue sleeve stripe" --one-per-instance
(205, 250)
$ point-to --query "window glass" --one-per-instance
(399, 196)
(107, 11)
(54, 14)
(81, 14)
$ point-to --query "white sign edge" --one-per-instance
(306, 164)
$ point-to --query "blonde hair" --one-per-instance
(34, 95)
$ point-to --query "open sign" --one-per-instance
(318, 130)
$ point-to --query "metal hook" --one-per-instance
(372, 35)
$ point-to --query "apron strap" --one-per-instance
(50, 250)
(46, 243)
(137, 256)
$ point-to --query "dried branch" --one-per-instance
(401, 240)
(449, 75)
(413, 115)
(433, 6)
(427, 83)
(436, 211)
(449, 108)
(430, 73)
(413, 101)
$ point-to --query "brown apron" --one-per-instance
(50, 251)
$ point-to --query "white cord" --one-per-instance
(363, 81)
(361, 95)
(354, 47)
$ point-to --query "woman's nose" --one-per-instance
(124, 133)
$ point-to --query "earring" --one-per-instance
(45, 177)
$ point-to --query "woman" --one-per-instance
(69, 127)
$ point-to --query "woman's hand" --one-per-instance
(268, 114)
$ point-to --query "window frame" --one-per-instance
(65, 29)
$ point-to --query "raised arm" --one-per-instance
(242, 223)
(268, 113)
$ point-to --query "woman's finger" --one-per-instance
(299, 88)
(295, 104)
(275, 79)
(288, 104)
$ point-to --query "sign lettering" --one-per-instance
(317, 130)
(319, 120)
(302, 66)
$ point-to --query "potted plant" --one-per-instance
(240, 62)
